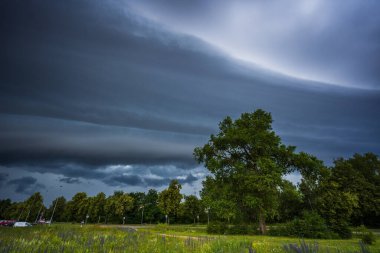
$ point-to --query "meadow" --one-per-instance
(160, 238)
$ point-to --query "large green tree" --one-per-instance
(248, 158)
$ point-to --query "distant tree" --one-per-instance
(151, 210)
(360, 175)
(96, 210)
(248, 158)
(117, 206)
(68, 213)
(79, 206)
(192, 207)
(169, 199)
(336, 207)
(33, 205)
(313, 172)
(5, 204)
(134, 215)
(290, 202)
(59, 213)
(16, 211)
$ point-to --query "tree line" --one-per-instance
(120, 207)
(248, 163)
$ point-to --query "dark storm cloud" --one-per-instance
(138, 180)
(91, 90)
(190, 179)
(126, 180)
(26, 185)
(70, 180)
(3, 178)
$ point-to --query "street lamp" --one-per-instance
(166, 217)
(86, 218)
(207, 210)
(142, 213)
(123, 220)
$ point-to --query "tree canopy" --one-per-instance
(247, 160)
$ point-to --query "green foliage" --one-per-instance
(290, 202)
(360, 175)
(192, 208)
(242, 229)
(59, 214)
(336, 207)
(169, 199)
(151, 210)
(365, 235)
(92, 238)
(248, 161)
(117, 206)
(310, 225)
(216, 227)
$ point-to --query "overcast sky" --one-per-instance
(114, 95)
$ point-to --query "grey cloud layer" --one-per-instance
(318, 39)
(88, 85)
(26, 185)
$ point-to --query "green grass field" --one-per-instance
(174, 238)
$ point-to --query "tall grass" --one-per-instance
(73, 238)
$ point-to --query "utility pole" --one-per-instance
(39, 211)
(27, 216)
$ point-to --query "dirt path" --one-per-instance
(185, 237)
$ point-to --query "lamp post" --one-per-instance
(207, 210)
(166, 217)
(123, 220)
(86, 218)
(142, 213)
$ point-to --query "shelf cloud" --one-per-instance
(120, 93)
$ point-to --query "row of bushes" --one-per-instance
(223, 228)
(310, 225)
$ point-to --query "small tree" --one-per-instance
(192, 207)
(169, 199)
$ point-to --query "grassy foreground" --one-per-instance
(175, 239)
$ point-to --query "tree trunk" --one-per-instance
(262, 225)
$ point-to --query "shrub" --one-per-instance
(216, 227)
(366, 236)
(342, 230)
(311, 225)
(242, 229)
(237, 230)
